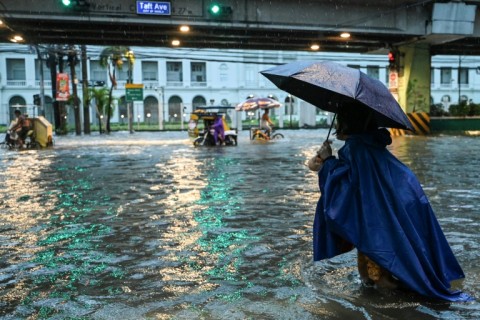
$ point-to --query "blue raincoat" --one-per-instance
(371, 200)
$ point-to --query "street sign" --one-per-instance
(393, 80)
(154, 8)
(134, 92)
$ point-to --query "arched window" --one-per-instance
(446, 98)
(16, 102)
(174, 108)
(150, 109)
(48, 110)
(289, 105)
(198, 101)
(122, 110)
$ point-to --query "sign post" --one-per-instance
(134, 92)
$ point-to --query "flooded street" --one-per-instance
(145, 226)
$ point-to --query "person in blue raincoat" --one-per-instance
(373, 202)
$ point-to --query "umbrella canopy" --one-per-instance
(257, 103)
(328, 85)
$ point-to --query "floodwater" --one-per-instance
(145, 226)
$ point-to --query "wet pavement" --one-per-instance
(146, 226)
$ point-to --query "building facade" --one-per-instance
(176, 81)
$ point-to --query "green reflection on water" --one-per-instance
(224, 248)
(73, 259)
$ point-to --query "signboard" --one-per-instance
(154, 8)
(134, 92)
(393, 80)
(63, 89)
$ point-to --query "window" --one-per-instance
(223, 73)
(446, 76)
(16, 69)
(374, 72)
(174, 72)
(46, 70)
(198, 101)
(289, 105)
(463, 76)
(198, 72)
(149, 70)
(122, 75)
(97, 72)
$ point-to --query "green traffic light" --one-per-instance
(215, 9)
(66, 2)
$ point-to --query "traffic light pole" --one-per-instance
(41, 107)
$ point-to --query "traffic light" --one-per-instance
(392, 59)
(220, 11)
(36, 100)
(75, 4)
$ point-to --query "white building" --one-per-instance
(178, 80)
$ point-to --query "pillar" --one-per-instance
(414, 74)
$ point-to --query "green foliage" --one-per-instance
(436, 110)
(113, 55)
(463, 109)
(474, 109)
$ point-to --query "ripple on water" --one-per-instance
(147, 226)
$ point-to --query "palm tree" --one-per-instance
(101, 98)
(112, 58)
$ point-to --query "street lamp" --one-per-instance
(148, 118)
(138, 122)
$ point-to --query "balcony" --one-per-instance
(174, 83)
(46, 83)
(17, 83)
(198, 83)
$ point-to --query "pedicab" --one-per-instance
(252, 104)
(201, 127)
(40, 135)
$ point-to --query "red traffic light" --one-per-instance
(391, 56)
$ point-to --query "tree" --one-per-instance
(101, 98)
(112, 59)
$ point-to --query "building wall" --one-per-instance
(231, 76)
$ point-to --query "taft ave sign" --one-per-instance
(134, 92)
(154, 8)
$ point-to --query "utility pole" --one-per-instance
(41, 110)
(86, 107)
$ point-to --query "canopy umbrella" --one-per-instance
(257, 103)
(329, 85)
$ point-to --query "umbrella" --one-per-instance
(328, 85)
(257, 103)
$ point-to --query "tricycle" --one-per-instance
(208, 126)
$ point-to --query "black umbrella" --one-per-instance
(329, 85)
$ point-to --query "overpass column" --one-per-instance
(414, 76)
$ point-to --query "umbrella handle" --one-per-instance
(331, 126)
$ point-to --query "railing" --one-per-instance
(46, 83)
(175, 83)
(17, 83)
(198, 84)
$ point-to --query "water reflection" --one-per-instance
(147, 226)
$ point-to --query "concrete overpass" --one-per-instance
(374, 26)
(414, 29)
